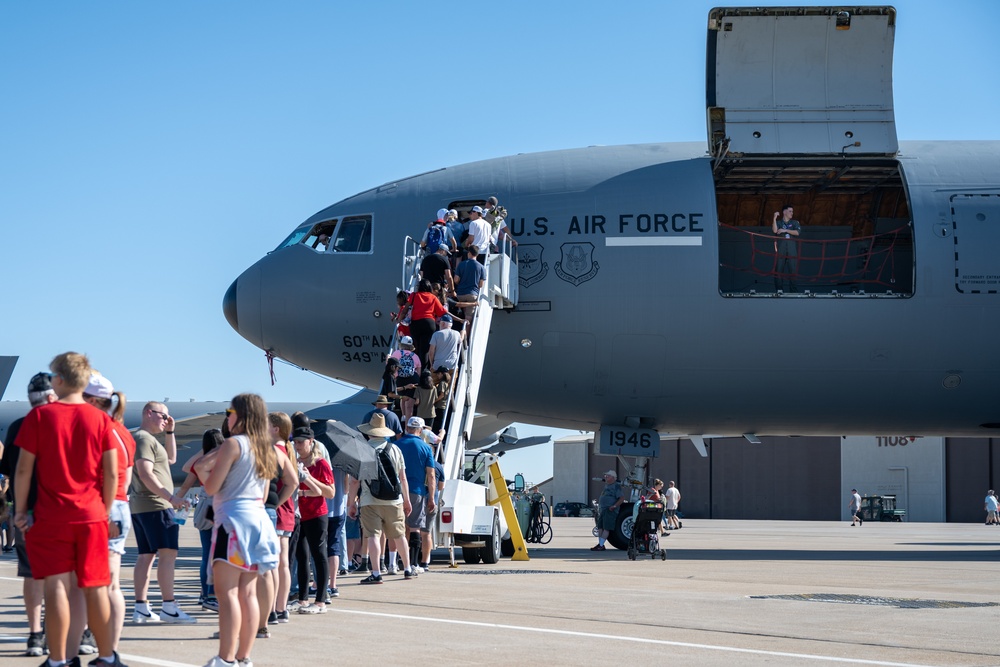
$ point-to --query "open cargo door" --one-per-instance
(801, 81)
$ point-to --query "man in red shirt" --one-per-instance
(72, 448)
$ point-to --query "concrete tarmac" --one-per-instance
(880, 594)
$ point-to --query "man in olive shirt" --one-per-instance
(152, 501)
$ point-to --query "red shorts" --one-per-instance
(57, 548)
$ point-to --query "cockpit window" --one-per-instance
(294, 237)
(319, 236)
(354, 234)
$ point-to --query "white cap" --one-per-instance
(415, 422)
(442, 212)
(99, 386)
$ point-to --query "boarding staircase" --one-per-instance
(499, 293)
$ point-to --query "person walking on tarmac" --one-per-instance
(855, 507)
(611, 499)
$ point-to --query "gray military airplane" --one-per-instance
(659, 286)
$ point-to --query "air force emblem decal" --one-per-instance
(577, 265)
(530, 267)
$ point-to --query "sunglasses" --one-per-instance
(230, 411)
(163, 415)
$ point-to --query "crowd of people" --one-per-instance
(434, 320)
(276, 519)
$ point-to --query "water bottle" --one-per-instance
(181, 515)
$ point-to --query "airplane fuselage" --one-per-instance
(622, 311)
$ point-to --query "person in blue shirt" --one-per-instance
(420, 477)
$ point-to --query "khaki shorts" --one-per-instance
(376, 519)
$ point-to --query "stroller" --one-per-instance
(646, 518)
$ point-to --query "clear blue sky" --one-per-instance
(151, 152)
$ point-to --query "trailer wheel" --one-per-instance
(491, 552)
(471, 555)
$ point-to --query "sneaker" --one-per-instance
(417, 569)
(425, 566)
(116, 661)
(219, 662)
(36, 644)
(341, 572)
(333, 592)
(371, 579)
(263, 633)
(393, 571)
(272, 618)
(599, 547)
(75, 662)
(245, 662)
(178, 617)
(293, 605)
(282, 616)
(148, 616)
(409, 574)
(88, 645)
(313, 609)
(210, 604)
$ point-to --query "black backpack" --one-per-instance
(386, 486)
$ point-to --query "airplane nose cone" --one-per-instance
(229, 306)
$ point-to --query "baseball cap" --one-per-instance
(40, 382)
(415, 422)
(443, 246)
(477, 209)
(99, 386)
(442, 212)
(406, 340)
(446, 318)
(303, 432)
(453, 212)
(611, 473)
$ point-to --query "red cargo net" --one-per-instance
(862, 259)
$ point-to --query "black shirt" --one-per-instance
(434, 267)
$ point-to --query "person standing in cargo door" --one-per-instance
(786, 248)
